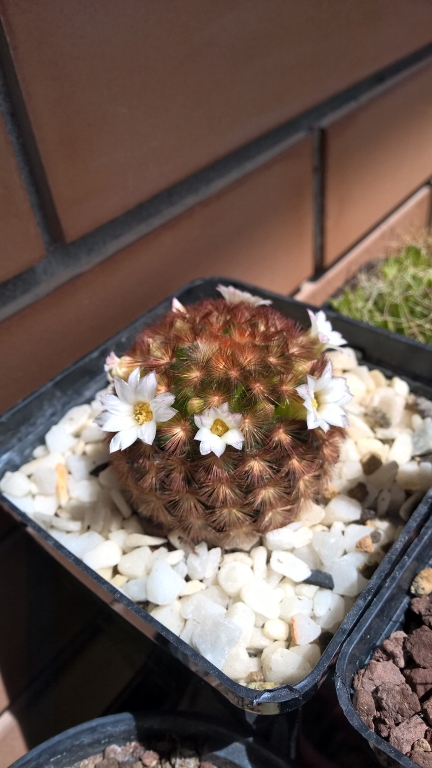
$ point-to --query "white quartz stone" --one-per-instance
(199, 608)
(79, 466)
(280, 538)
(192, 587)
(233, 576)
(170, 617)
(23, 503)
(136, 563)
(163, 584)
(15, 483)
(215, 638)
(284, 667)
(197, 561)
(289, 565)
(353, 534)
(59, 440)
(237, 664)
(83, 490)
(332, 610)
(276, 629)
(259, 560)
(47, 505)
(309, 652)
(106, 554)
(134, 540)
(75, 419)
(261, 598)
(402, 449)
(124, 508)
(62, 524)
(342, 508)
(292, 605)
(347, 580)
(241, 614)
(304, 630)
(328, 545)
(136, 589)
(93, 434)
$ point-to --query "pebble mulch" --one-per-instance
(263, 612)
(134, 755)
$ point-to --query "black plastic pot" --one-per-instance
(223, 747)
(399, 353)
(25, 425)
(385, 615)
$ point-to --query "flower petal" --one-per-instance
(234, 437)
(335, 390)
(325, 379)
(333, 415)
(146, 387)
(217, 445)
(163, 412)
(205, 448)
(177, 306)
(123, 439)
(124, 392)
(147, 432)
(134, 379)
(165, 398)
(203, 434)
(118, 423)
(113, 404)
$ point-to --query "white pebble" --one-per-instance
(136, 563)
(75, 419)
(199, 608)
(85, 543)
(188, 630)
(192, 587)
(237, 664)
(280, 538)
(136, 589)
(309, 556)
(79, 466)
(58, 440)
(93, 434)
(258, 640)
(46, 480)
(46, 505)
(328, 545)
(306, 590)
(133, 525)
(289, 565)
(309, 652)
(197, 561)
(347, 580)
(134, 540)
(216, 593)
(401, 450)
(107, 478)
(233, 576)
(163, 584)
(103, 556)
(259, 559)
(293, 605)
(342, 508)
(119, 537)
(23, 503)
(241, 614)
(302, 537)
(215, 639)
(276, 629)
(181, 569)
(15, 483)
(332, 613)
(170, 617)
(353, 534)
(400, 386)
(83, 490)
(121, 503)
(214, 558)
(261, 598)
(284, 667)
(51, 460)
(304, 629)
(310, 514)
(40, 451)
(63, 524)
(358, 428)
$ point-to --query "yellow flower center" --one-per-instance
(314, 403)
(219, 427)
(143, 413)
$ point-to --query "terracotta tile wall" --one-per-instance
(258, 229)
(375, 157)
(127, 98)
(21, 243)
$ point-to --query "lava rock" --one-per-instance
(419, 646)
(420, 680)
(394, 647)
(423, 607)
(404, 735)
(377, 673)
(396, 702)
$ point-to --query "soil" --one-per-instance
(393, 694)
(135, 755)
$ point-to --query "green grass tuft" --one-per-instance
(395, 293)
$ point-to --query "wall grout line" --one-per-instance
(18, 125)
(64, 261)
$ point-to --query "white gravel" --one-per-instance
(248, 612)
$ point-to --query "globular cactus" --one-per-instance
(234, 424)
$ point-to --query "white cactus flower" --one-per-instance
(135, 410)
(324, 398)
(321, 328)
(177, 306)
(218, 427)
(234, 296)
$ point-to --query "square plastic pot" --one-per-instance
(24, 427)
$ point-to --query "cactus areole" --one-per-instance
(226, 418)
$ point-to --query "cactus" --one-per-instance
(242, 450)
